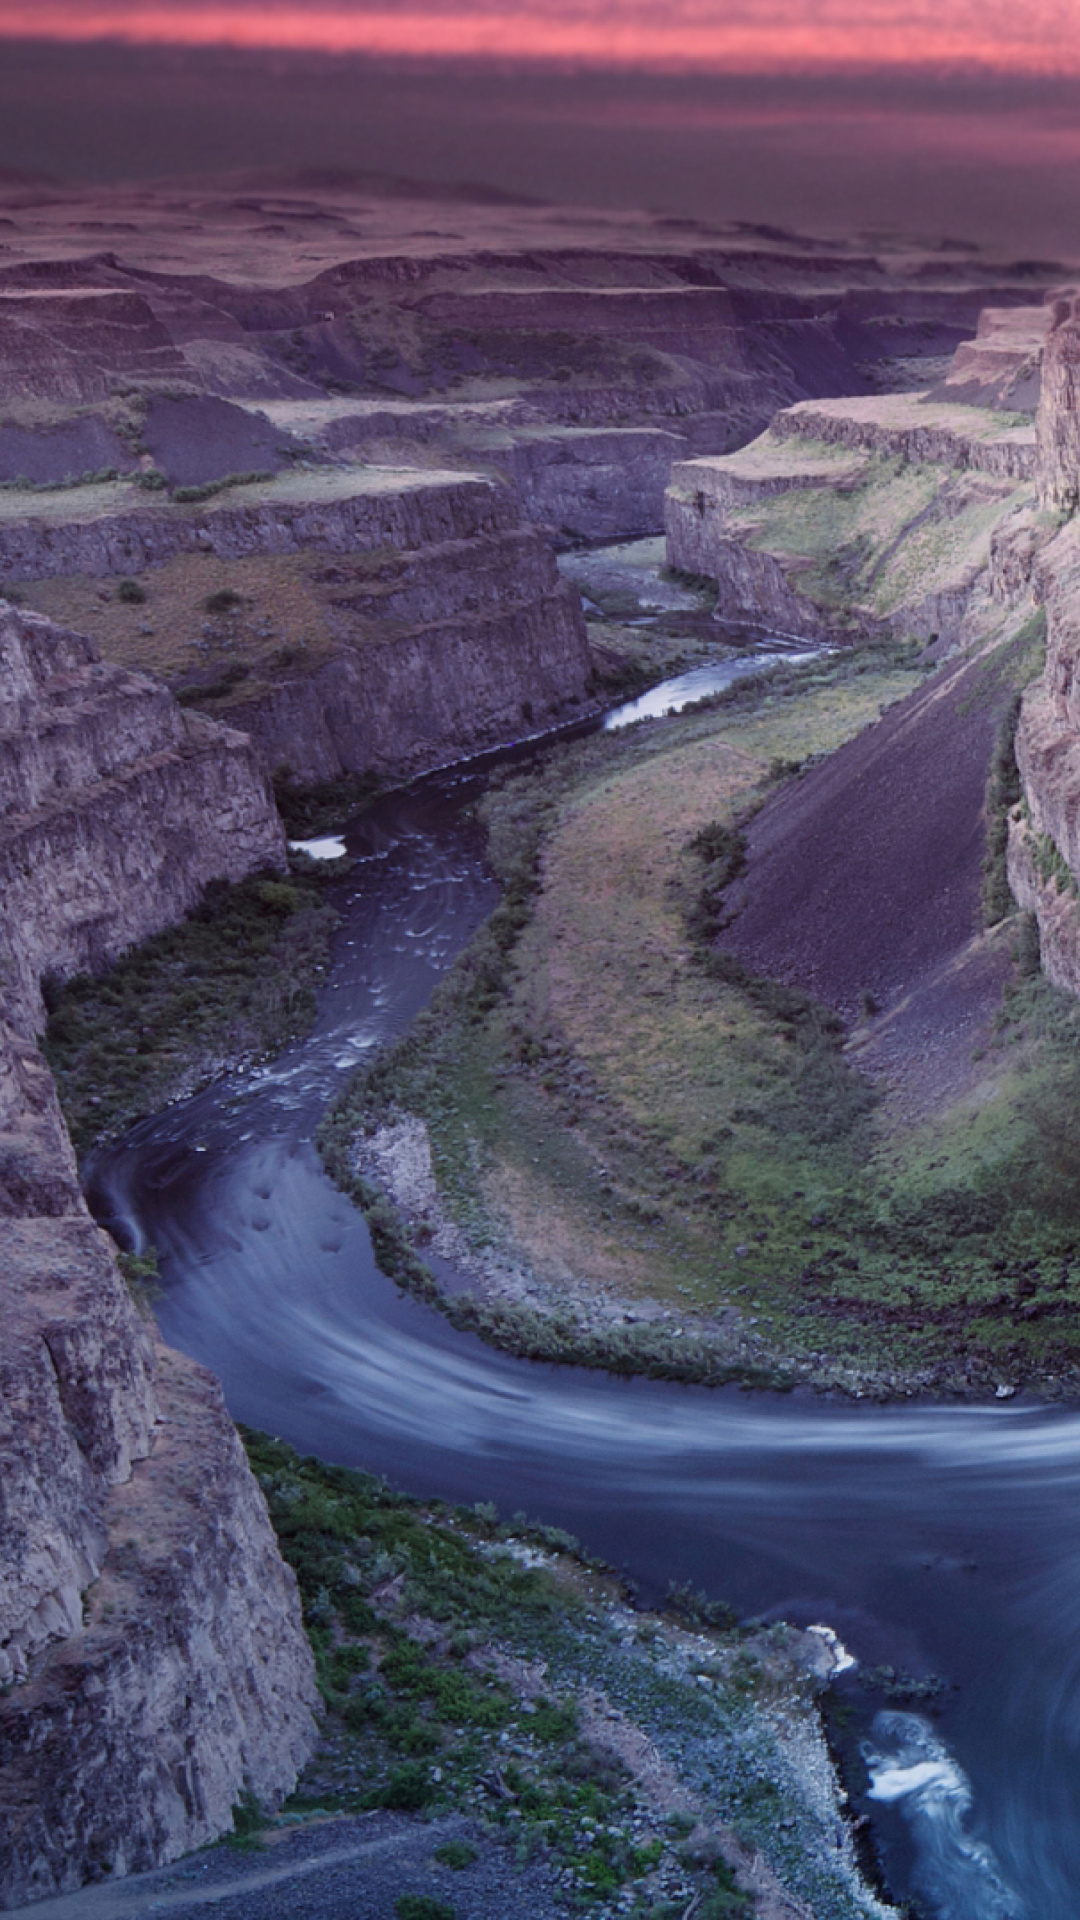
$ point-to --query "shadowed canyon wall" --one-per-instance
(152, 1656)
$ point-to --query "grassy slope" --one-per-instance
(884, 539)
(608, 1109)
(649, 1759)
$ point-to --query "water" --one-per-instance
(939, 1540)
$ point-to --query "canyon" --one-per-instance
(284, 476)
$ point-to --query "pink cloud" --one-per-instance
(760, 36)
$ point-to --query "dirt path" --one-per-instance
(343, 1869)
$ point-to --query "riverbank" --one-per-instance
(637, 1762)
(647, 1157)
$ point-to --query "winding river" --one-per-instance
(939, 1540)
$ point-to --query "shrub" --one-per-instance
(408, 1789)
(131, 593)
(225, 600)
(456, 1854)
(423, 1906)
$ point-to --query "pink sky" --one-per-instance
(1038, 37)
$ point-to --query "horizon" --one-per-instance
(975, 155)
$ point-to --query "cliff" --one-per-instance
(151, 1651)
(1044, 831)
(1001, 367)
(428, 620)
(1058, 422)
(116, 807)
(858, 518)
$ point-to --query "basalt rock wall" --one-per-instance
(116, 807)
(405, 510)
(152, 1658)
(450, 627)
(1058, 418)
(1044, 832)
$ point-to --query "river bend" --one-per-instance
(936, 1539)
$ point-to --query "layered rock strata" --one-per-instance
(1058, 419)
(445, 622)
(1044, 831)
(152, 1657)
(1001, 367)
(116, 807)
(909, 426)
(857, 518)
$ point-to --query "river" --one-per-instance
(940, 1540)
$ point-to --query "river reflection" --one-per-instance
(939, 1540)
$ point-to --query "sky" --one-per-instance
(956, 117)
(1040, 36)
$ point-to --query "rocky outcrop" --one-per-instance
(1001, 367)
(440, 651)
(1058, 420)
(1040, 887)
(152, 1658)
(361, 509)
(187, 1681)
(908, 426)
(856, 518)
(1044, 833)
(446, 624)
(116, 807)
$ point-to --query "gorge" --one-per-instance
(299, 522)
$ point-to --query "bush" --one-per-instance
(225, 600)
(456, 1854)
(423, 1906)
(408, 1789)
(131, 593)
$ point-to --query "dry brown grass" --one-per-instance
(173, 633)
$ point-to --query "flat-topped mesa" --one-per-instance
(909, 426)
(872, 516)
(139, 1576)
(427, 619)
(1000, 368)
(1058, 419)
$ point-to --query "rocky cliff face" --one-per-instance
(152, 1658)
(1001, 367)
(116, 807)
(446, 625)
(858, 518)
(1044, 832)
(1058, 419)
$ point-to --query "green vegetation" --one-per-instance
(610, 1098)
(140, 1270)
(880, 533)
(460, 1676)
(231, 982)
(131, 593)
(187, 496)
(310, 809)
